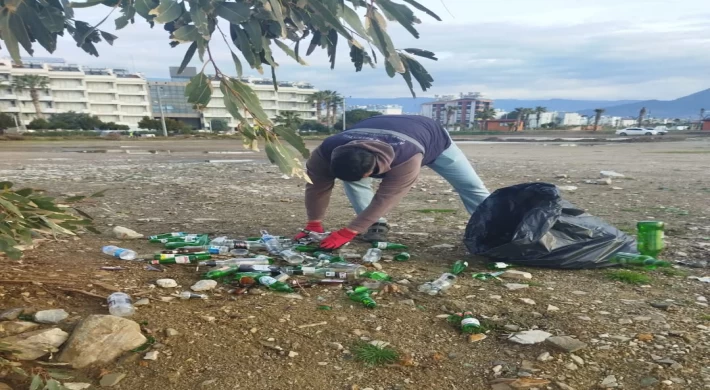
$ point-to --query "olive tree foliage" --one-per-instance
(252, 29)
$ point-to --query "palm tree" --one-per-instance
(526, 122)
(485, 115)
(318, 98)
(597, 116)
(539, 110)
(519, 113)
(33, 83)
(289, 119)
(642, 114)
(335, 101)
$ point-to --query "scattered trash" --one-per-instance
(491, 275)
(650, 237)
(118, 268)
(530, 224)
(568, 188)
(527, 337)
(123, 254)
(191, 295)
(166, 283)
(458, 267)
(466, 322)
(124, 233)
(635, 259)
(443, 283)
(705, 279)
(611, 174)
(362, 295)
(388, 245)
(372, 255)
(204, 285)
(404, 256)
(120, 304)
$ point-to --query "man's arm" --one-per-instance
(393, 187)
(318, 193)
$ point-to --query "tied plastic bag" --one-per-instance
(531, 225)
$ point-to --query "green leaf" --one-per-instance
(24, 192)
(353, 19)
(52, 384)
(253, 30)
(86, 4)
(37, 382)
(46, 204)
(52, 19)
(73, 199)
(57, 374)
(290, 136)
(20, 31)
(56, 228)
(199, 90)
(235, 89)
(280, 155)
(167, 11)
(276, 11)
(10, 207)
(186, 33)
(199, 18)
(383, 42)
(19, 371)
(99, 194)
(233, 12)
(8, 36)
(121, 22)
(423, 9)
(5, 185)
(188, 57)
(407, 76)
(237, 64)
(329, 18)
(143, 8)
(422, 53)
(109, 38)
(418, 71)
(242, 43)
(234, 106)
(289, 52)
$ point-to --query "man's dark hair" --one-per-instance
(352, 164)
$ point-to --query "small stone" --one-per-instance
(511, 327)
(625, 321)
(170, 332)
(497, 369)
(358, 332)
(609, 382)
(677, 380)
(667, 382)
(204, 285)
(577, 359)
(642, 319)
(584, 318)
(568, 188)
(529, 337)
(543, 357)
(123, 233)
(611, 174)
(208, 318)
(701, 298)
(527, 301)
(404, 282)
(648, 381)
(11, 314)
(577, 292)
(292, 354)
(564, 386)
(377, 266)
(644, 337)
(606, 182)
(53, 316)
(336, 346)
(661, 305)
(552, 308)
(566, 343)
(407, 302)
(561, 176)
(111, 379)
(497, 297)
(11, 328)
(571, 366)
(142, 302)
(208, 382)
(253, 330)
(166, 283)
(166, 299)
(152, 355)
(35, 344)
(515, 274)
(515, 286)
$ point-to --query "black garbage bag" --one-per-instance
(530, 224)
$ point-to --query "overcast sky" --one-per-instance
(527, 49)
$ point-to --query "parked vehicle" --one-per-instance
(636, 131)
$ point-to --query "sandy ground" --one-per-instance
(180, 191)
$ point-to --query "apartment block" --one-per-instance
(452, 111)
(169, 95)
(114, 95)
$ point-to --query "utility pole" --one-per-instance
(162, 114)
(344, 113)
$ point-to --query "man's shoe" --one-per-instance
(377, 232)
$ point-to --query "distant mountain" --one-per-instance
(684, 107)
(412, 105)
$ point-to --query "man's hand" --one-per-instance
(337, 239)
(314, 226)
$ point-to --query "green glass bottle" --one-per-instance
(305, 248)
(458, 267)
(221, 272)
(650, 237)
(202, 240)
(182, 259)
(273, 284)
(167, 235)
(362, 295)
(166, 256)
(469, 324)
(498, 265)
(388, 245)
(487, 275)
(634, 259)
(404, 256)
(328, 257)
(185, 238)
(377, 275)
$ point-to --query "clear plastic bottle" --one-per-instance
(192, 295)
(335, 271)
(273, 245)
(317, 237)
(444, 282)
(261, 259)
(292, 257)
(373, 255)
(123, 254)
(120, 305)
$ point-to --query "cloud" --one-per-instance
(635, 49)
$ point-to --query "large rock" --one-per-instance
(34, 345)
(11, 328)
(11, 314)
(101, 339)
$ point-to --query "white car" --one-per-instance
(636, 131)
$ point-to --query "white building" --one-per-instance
(170, 95)
(545, 118)
(113, 95)
(628, 122)
(384, 109)
(569, 119)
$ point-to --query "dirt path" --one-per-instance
(224, 342)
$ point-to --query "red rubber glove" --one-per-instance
(337, 239)
(314, 226)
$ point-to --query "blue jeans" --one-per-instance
(452, 165)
